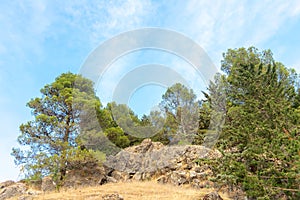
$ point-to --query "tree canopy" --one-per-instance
(50, 139)
(261, 138)
(254, 105)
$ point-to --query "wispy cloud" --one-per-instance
(102, 20)
(36, 36)
(228, 24)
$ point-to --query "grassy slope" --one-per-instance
(147, 190)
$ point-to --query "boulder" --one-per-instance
(48, 184)
(212, 196)
(12, 190)
(92, 176)
(111, 179)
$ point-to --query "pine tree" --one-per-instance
(261, 136)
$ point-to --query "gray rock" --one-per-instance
(16, 189)
(48, 184)
(152, 159)
(26, 197)
(6, 184)
(193, 174)
(33, 192)
(162, 179)
(137, 176)
(111, 179)
(212, 196)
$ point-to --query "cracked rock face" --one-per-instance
(153, 156)
(173, 164)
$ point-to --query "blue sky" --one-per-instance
(39, 40)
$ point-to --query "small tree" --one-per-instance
(181, 111)
(50, 139)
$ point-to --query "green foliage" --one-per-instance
(181, 109)
(261, 138)
(117, 136)
(50, 139)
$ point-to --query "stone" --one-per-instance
(111, 179)
(151, 157)
(102, 179)
(171, 164)
(137, 176)
(212, 196)
(92, 176)
(195, 183)
(48, 184)
(193, 174)
(33, 192)
(178, 178)
(25, 197)
(114, 196)
(162, 179)
(117, 175)
(6, 184)
(14, 190)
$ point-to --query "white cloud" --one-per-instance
(229, 24)
(102, 20)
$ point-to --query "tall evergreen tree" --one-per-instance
(50, 139)
(261, 136)
(181, 110)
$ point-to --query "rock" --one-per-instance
(26, 197)
(179, 178)
(212, 196)
(162, 179)
(137, 176)
(6, 184)
(151, 157)
(117, 175)
(48, 184)
(92, 176)
(146, 146)
(172, 164)
(111, 179)
(33, 192)
(114, 196)
(102, 179)
(9, 191)
(193, 174)
(195, 183)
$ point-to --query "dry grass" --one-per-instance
(131, 190)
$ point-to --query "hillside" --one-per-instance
(149, 170)
(147, 190)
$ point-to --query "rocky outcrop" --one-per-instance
(166, 164)
(12, 189)
(21, 190)
(146, 161)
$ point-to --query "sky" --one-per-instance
(39, 40)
